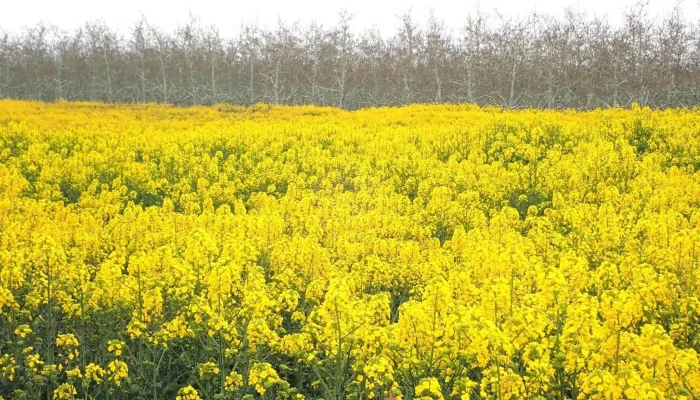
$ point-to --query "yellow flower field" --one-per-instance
(424, 252)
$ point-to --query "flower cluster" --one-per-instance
(262, 377)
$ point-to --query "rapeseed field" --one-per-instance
(420, 252)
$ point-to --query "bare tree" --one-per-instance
(343, 43)
(163, 48)
(7, 56)
(250, 43)
(407, 47)
(372, 62)
(474, 33)
(436, 48)
(280, 48)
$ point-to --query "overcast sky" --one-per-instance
(228, 15)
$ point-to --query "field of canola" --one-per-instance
(424, 252)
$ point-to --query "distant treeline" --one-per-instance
(574, 61)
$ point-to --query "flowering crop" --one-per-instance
(424, 252)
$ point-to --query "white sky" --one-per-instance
(227, 15)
